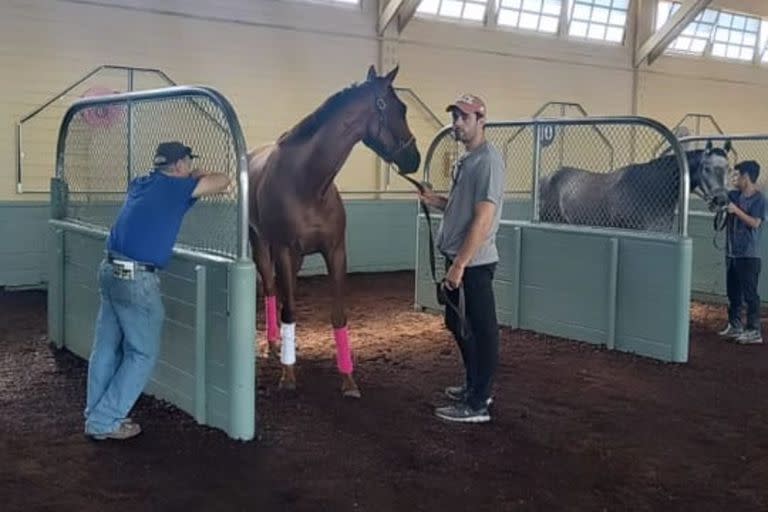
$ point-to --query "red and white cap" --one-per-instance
(468, 103)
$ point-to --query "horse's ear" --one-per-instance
(371, 73)
(728, 146)
(708, 146)
(392, 74)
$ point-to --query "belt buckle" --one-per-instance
(122, 269)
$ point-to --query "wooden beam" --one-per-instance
(391, 10)
(658, 42)
(406, 13)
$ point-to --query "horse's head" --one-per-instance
(387, 133)
(709, 168)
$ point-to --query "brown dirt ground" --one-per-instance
(575, 427)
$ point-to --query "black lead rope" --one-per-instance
(442, 295)
(719, 222)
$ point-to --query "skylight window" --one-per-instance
(736, 36)
(604, 20)
(764, 41)
(342, 2)
(693, 40)
(471, 10)
(538, 15)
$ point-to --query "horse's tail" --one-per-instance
(544, 185)
(549, 191)
(544, 199)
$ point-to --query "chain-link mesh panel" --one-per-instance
(743, 147)
(689, 126)
(615, 183)
(599, 174)
(103, 152)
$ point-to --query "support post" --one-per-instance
(201, 338)
(517, 285)
(613, 292)
(536, 171)
(59, 199)
(242, 354)
(679, 352)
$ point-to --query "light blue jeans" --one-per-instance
(125, 348)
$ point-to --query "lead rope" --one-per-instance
(442, 296)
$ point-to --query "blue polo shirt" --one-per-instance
(149, 221)
(743, 241)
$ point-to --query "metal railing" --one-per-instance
(682, 128)
(563, 106)
(90, 157)
(131, 73)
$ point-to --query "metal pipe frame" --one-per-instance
(534, 123)
(219, 100)
(57, 97)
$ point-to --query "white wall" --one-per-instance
(257, 53)
(277, 60)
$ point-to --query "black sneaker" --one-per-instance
(463, 413)
(459, 394)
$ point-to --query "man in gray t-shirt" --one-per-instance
(745, 222)
(467, 239)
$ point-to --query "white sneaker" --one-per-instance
(750, 337)
(731, 331)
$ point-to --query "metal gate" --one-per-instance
(207, 363)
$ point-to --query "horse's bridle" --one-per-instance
(381, 107)
(720, 219)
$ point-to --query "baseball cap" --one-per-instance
(468, 103)
(168, 153)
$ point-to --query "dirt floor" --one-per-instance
(574, 427)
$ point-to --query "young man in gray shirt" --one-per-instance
(743, 261)
(467, 239)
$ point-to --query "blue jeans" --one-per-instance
(125, 348)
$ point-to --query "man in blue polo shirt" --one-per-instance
(743, 261)
(131, 314)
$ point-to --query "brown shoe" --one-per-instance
(126, 430)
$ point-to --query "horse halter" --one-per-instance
(381, 107)
(720, 219)
(703, 194)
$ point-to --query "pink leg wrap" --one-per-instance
(273, 332)
(343, 354)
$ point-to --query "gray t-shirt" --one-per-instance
(742, 241)
(477, 176)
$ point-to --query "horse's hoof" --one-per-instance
(269, 350)
(351, 393)
(287, 379)
(349, 387)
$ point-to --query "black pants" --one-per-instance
(741, 283)
(480, 349)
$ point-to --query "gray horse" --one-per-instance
(638, 196)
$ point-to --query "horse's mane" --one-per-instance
(692, 155)
(308, 126)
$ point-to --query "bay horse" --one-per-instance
(296, 209)
(639, 196)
